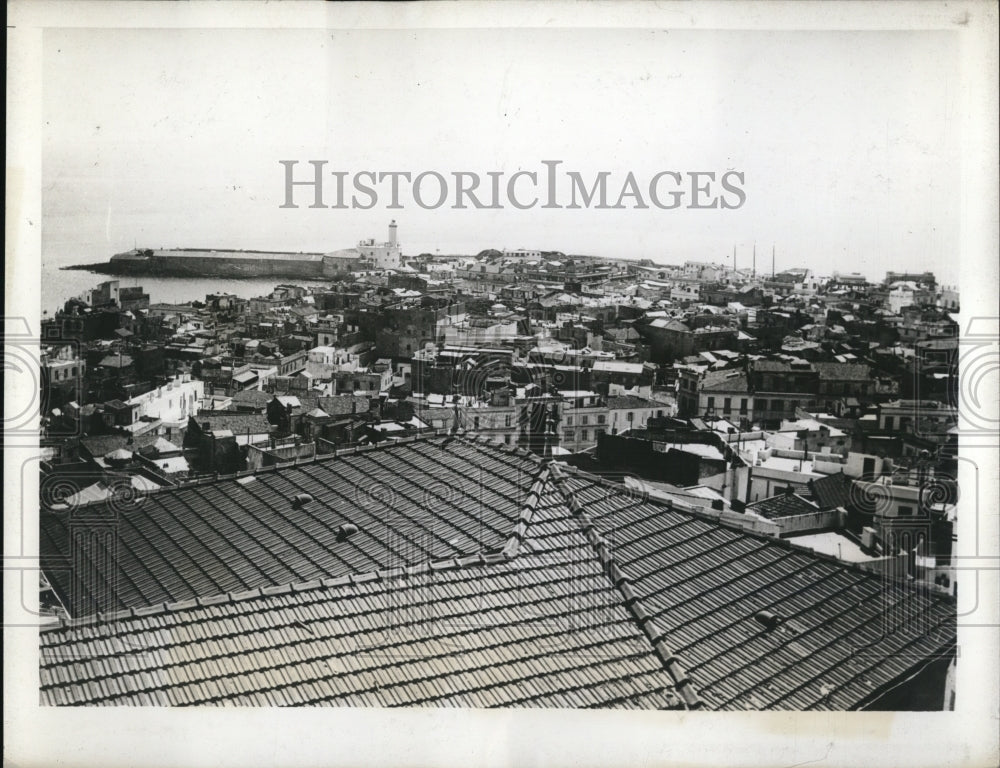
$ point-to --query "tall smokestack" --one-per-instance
(754, 274)
(392, 232)
(772, 262)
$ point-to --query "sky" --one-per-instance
(848, 141)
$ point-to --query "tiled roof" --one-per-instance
(495, 580)
(102, 445)
(536, 626)
(843, 371)
(238, 423)
(782, 505)
(115, 361)
(620, 402)
(832, 491)
(839, 645)
(410, 503)
(344, 404)
(724, 381)
(771, 365)
(255, 397)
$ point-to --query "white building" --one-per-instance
(325, 360)
(901, 294)
(629, 412)
(584, 417)
(387, 255)
(171, 403)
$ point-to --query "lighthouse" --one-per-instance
(392, 233)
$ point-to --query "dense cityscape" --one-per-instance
(718, 479)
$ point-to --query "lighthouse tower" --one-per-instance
(382, 255)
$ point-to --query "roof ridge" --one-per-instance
(669, 659)
(527, 514)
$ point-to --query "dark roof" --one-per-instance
(703, 583)
(542, 628)
(771, 365)
(832, 491)
(843, 371)
(782, 505)
(724, 381)
(558, 591)
(341, 405)
(631, 401)
(238, 423)
(410, 503)
(255, 397)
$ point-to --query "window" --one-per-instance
(597, 432)
(585, 435)
(569, 421)
(568, 435)
(601, 419)
(629, 416)
(585, 420)
(475, 422)
(777, 405)
(727, 405)
(711, 403)
(743, 406)
(506, 420)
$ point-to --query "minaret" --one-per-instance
(392, 233)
